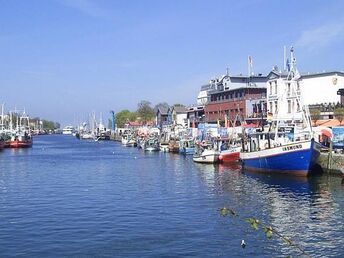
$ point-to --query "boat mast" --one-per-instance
(2, 117)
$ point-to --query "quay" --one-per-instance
(332, 163)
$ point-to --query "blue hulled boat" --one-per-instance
(288, 146)
(297, 158)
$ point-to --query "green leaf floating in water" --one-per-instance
(226, 211)
(254, 223)
(268, 232)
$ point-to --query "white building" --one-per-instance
(285, 97)
(179, 115)
(320, 88)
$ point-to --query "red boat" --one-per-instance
(19, 141)
(20, 144)
(232, 155)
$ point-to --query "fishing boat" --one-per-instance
(20, 136)
(164, 143)
(131, 141)
(288, 147)
(206, 152)
(151, 144)
(187, 146)
(20, 140)
(173, 145)
(294, 158)
(2, 143)
(164, 147)
(230, 154)
(125, 139)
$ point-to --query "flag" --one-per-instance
(250, 61)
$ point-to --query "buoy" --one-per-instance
(243, 244)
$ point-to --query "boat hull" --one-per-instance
(187, 151)
(151, 149)
(229, 156)
(164, 148)
(20, 144)
(209, 157)
(294, 159)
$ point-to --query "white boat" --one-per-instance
(207, 156)
(206, 153)
(68, 130)
(131, 142)
(151, 144)
(164, 147)
(87, 136)
(125, 139)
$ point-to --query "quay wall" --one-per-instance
(332, 163)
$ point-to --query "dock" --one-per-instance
(332, 163)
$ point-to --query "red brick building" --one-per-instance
(244, 96)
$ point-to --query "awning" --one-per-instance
(327, 133)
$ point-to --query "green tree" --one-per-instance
(178, 105)
(122, 117)
(145, 111)
(132, 116)
(339, 114)
(315, 115)
(50, 125)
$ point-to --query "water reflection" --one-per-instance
(302, 208)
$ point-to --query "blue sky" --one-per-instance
(62, 59)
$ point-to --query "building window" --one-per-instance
(289, 106)
(288, 85)
(275, 87)
(276, 106)
(298, 106)
(271, 107)
(270, 92)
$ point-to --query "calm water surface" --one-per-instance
(71, 198)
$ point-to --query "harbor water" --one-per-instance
(69, 198)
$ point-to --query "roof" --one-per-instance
(312, 75)
(327, 122)
(284, 74)
(162, 110)
(179, 109)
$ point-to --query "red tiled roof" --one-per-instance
(328, 123)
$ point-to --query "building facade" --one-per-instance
(237, 95)
(286, 98)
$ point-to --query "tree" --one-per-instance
(161, 105)
(178, 105)
(339, 114)
(145, 111)
(315, 115)
(132, 116)
(122, 117)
